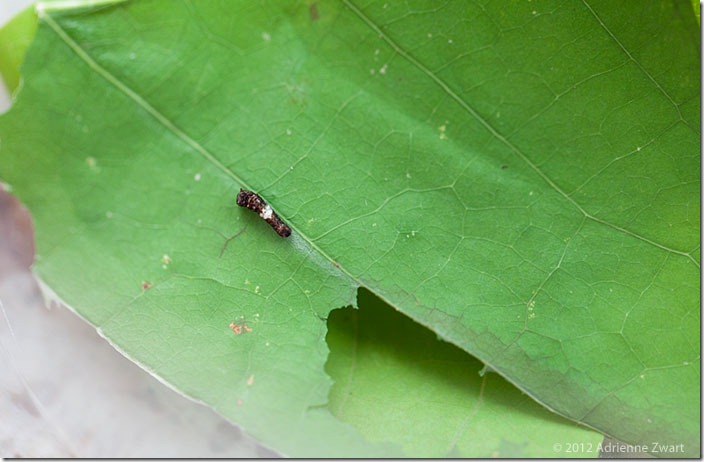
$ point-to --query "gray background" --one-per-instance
(64, 392)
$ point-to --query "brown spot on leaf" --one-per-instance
(239, 328)
(313, 11)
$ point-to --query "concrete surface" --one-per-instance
(64, 392)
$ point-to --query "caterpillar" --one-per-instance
(253, 201)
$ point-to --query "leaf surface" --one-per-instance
(15, 37)
(524, 181)
(396, 381)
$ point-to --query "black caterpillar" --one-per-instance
(253, 201)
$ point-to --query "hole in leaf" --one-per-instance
(395, 381)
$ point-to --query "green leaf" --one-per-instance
(521, 179)
(696, 6)
(15, 37)
(391, 372)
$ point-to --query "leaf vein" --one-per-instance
(494, 132)
(134, 96)
(635, 61)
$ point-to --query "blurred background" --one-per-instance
(64, 391)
